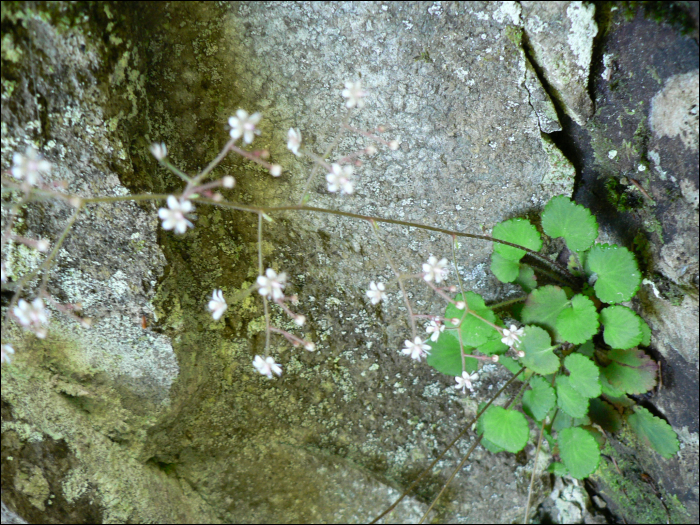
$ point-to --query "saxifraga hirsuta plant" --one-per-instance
(570, 342)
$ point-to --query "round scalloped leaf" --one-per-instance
(543, 306)
(526, 278)
(622, 328)
(569, 399)
(506, 428)
(446, 357)
(504, 269)
(578, 322)
(517, 231)
(618, 276)
(538, 401)
(539, 352)
(630, 372)
(583, 375)
(563, 218)
(475, 332)
(578, 451)
(654, 431)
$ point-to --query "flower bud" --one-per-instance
(217, 197)
(264, 154)
(456, 321)
(452, 289)
(309, 346)
(521, 354)
(370, 150)
(42, 245)
(275, 170)
(394, 145)
(494, 358)
(159, 151)
(461, 305)
(228, 181)
(300, 320)
(76, 202)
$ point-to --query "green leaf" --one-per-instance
(558, 469)
(538, 401)
(578, 322)
(622, 327)
(526, 278)
(504, 269)
(539, 352)
(605, 415)
(489, 445)
(543, 306)
(654, 431)
(607, 389)
(578, 451)
(445, 356)
(506, 428)
(583, 375)
(475, 332)
(618, 276)
(563, 218)
(517, 231)
(587, 349)
(510, 364)
(630, 372)
(568, 398)
(561, 421)
(493, 346)
(646, 333)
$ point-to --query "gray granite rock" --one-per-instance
(171, 423)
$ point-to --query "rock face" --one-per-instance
(155, 413)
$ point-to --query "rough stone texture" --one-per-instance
(642, 68)
(560, 38)
(172, 423)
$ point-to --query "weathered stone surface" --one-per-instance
(177, 410)
(560, 38)
(637, 79)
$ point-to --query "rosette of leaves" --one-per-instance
(580, 348)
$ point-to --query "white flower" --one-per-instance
(243, 125)
(271, 284)
(32, 316)
(435, 328)
(465, 381)
(354, 93)
(294, 140)
(29, 166)
(512, 337)
(175, 218)
(340, 178)
(416, 349)
(217, 305)
(376, 292)
(159, 151)
(267, 366)
(5, 354)
(434, 269)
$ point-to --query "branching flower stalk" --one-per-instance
(610, 276)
